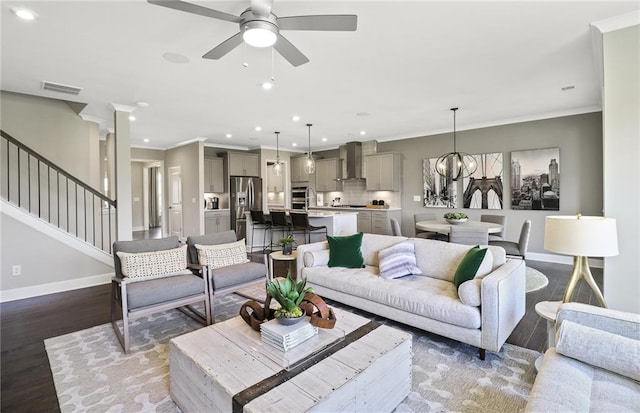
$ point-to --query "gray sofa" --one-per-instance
(595, 366)
(429, 301)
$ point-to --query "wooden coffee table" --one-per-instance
(226, 367)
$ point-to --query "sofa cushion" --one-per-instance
(373, 243)
(440, 260)
(600, 348)
(316, 258)
(162, 290)
(233, 275)
(398, 260)
(470, 292)
(153, 264)
(424, 296)
(222, 255)
(346, 251)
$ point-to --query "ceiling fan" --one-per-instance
(259, 27)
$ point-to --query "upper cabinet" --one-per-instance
(383, 172)
(298, 173)
(243, 164)
(213, 175)
(328, 171)
(275, 183)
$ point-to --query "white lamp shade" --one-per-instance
(583, 236)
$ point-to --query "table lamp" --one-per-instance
(582, 237)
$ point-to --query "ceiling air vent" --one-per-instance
(57, 87)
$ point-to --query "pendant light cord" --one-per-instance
(454, 129)
(277, 146)
(309, 125)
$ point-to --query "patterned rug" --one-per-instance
(92, 374)
(535, 280)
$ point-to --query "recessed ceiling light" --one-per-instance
(324, 139)
(132, 118)
(363, 114)
(294, 144)
(362, 133)
(258, 128)
(267, 85)
(146, 140)
(295, 118)
(175, 58)
(228, 135)
(24, 14)
(569, 87)
(142, 104)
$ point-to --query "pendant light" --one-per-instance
(309, 163)
(455, 165)
(277, 167)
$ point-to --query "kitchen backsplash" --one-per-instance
(355, 193)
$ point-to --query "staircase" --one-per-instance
(37, 186)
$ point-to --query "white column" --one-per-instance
(123, 170)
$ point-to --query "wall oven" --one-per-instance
(298, 194)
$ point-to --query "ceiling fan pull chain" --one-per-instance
(273, 75)
(245, 63)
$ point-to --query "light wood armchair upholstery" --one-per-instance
(139, 298)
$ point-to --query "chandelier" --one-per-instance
(455, 165)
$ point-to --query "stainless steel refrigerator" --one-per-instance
(246, 195)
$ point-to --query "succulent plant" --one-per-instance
(455, 215)
(287, 240)
(289, 295)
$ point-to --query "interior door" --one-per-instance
(175, 201)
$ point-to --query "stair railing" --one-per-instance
(39, 186)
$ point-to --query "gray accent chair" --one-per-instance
(517, 249)
(467, 235)
(144, 297)
(395, 227)
(496, 219)
(226, 280)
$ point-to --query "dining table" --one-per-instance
(443, 227)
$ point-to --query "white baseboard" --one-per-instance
(562, 259)
(134, 229)
(55, 287)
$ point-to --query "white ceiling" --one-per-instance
(406, 65)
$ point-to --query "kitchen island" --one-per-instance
(371, 220)
(337, 223)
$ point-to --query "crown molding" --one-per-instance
(179, 144)
(618, 22)
(122, 108)
(94, 119)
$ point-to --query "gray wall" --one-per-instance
(578, 137)
(137, 196)
(621, 102)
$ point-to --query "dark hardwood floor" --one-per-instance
(26, 383)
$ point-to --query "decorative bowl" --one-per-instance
(289, 321)
(457, 221)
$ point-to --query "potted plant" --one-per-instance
(289, 295)
(287, 244)
(456, 217)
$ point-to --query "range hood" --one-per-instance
(351, 155)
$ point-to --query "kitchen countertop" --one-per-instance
(217, 210)
(329, 208)
(319, 214)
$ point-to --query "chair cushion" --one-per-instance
(398, 260)
(346, 251)
(162, 290)
(511, 248)
(153, 263)
(222, 255)
(237, 274)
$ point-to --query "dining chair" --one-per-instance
(300, 222)
(517, 249)
(395, 227)
(427, 216)
(496, 219)
(468, 235)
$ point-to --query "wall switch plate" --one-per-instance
(416, 198)
(16, 270)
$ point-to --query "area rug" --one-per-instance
(92, 374)
(535, 280)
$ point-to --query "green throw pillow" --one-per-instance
(469, 265)
(346, 251)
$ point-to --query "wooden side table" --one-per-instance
(279, 256)
(548, 310)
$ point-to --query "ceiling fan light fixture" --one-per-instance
(260, 34)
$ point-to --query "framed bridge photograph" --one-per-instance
(484, 188)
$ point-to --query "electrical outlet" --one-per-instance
(416, 198)
(16, 270)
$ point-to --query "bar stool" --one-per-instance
(279, 222)
(300, 223)
(258, 221)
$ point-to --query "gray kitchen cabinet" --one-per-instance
(298, 174)
(216, 221)
(243, 164)
(327, 173)
(364, 221)
(383, 172)
(377, 221)
(214, 175)
(275, 183)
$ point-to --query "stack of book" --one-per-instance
(286, 337)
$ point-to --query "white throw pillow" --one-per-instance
(222, 255)
(398, 260)
(153, 264)
(316, 258)
(469, 292)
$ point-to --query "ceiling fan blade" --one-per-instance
(261, 7)
(224, 47)
(290, 52)
(195, 9)
(333, 22)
